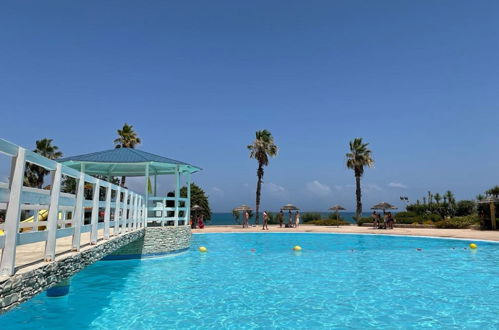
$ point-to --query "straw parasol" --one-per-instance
(383, 206)
(196, 208)
(289, 207)
(337, 208)
(243, 208)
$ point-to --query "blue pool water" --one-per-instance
(337, 281)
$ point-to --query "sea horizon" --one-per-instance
(226, 218)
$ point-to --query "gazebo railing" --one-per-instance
(43, 215)
(159, 212)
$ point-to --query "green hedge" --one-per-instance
(311, 216)
(459, 222)
(327, 222)
(412, 218)
(364, 220)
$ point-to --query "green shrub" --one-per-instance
(327, 222)
(361, 221)
(465, 207)
(408, 214)
(458, 222)
(311, 216)
(334, 216)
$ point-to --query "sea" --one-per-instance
(218, 219)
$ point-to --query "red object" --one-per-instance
(200, 223)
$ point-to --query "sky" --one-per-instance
(417, 80)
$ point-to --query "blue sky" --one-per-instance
(418, 80)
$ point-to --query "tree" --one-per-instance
(261, 149)
(35, 174)
(494, 191)
(198, 196)
(437, 198)
(359, 157)
(127, 138)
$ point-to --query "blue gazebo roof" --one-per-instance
(126, 162)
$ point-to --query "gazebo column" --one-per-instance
(177, 195)
(146, 192)
(155, 185)
(188, 202)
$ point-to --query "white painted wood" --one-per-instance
(132, 212)
(136, 213)
(79, 212)
(53, 214)
(117, 211)
(188, 202)
(94, 220)
(124, 215)
(107, 212)
(8, 262)
(146, 192)
(177, 195)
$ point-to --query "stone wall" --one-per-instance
(18, 288)
(156, 241)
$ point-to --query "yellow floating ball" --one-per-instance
(203, 249)
(297, 248)
(473, 246)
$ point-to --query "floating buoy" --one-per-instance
(473, 246)
(297, 248)
(203, 249)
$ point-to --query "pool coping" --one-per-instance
(197, 232)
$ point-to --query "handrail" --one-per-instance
(124, 210)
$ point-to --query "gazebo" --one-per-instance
(137, 163)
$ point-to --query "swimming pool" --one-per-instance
(337, 281)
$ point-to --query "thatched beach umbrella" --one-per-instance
(383, 206)
(337, 208)
(289, 207)
(243, 208)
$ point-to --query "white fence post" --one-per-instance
(8, 261)
(95, 213)
(79, 212)
(107, 211)
(177, 195)
(117, 210)
(130, 214)
(53, 215)
(124, 215)
(136, 212)
(188, 203)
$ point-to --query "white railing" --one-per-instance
(57, 214)
(158, 211)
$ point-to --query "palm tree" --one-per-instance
(35, 174)
(127, 138)
(438, 198)
(358, 157)
(450, 197)
(261, 149)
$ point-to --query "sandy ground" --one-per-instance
(454, 233)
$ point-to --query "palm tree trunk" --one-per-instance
(259, 173)
(358, 195)
(123, 179)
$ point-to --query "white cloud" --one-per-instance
(318, 188)
(217, 191)
(371, 187)
(397, 185)
(274, 188)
